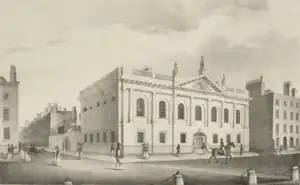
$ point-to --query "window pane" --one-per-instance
(162, 109)
(183, 138)
(162, 137)
(215, 138)
(113, 136)
(98, 138)
(6, 133)
(140, 137)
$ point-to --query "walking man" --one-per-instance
(118, 155)
(178, 150)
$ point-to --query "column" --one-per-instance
(233, 114)
(129, 105)
(153, 119)
(207, 113)
(222, 115)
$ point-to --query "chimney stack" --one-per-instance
(294, 92)
(13, 73)
(287, 88)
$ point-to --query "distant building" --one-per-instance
(274, 117)
(9, 114)
(67, 135)
(50, 122)
(133, 107)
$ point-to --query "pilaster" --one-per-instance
(129, 105)
(207, 113)
(233, 114)
(222, 115)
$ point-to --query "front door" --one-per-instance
(199, 141)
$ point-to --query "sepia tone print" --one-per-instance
(149, 92)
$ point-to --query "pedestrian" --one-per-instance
(178, 150)
(112, 148)
(118, 155)
(143, 150)
(241, 150)
(56, 159)
(79, 151)
(146, 151)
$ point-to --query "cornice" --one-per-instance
(169, 87)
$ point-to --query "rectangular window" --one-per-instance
(6, 133)
(140, 137)
(297, 116)
(297, 129)
(277, 129)
(215, 138)
(291, 129)
(285, 103)
(277, 114)
(112, 136)
(91, 138)
(5, 96)
(6, 114)
(85, 138)
(98, 137)
(284, 128)
(104, 137)
(182, 137)
(297, 105)
(162, 137)
(228, 138)
(291, 104)
(277, 141)
(238, 138)
(292, 115)
(284, 115)
(277, 102)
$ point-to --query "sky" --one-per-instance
(61, 46)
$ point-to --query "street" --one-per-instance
(40, 170)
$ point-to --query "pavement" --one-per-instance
(87, 171)
(154, 158)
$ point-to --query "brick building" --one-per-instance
(49, 122)
(274, 117)
(135, 107)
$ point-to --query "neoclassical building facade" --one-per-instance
(136, 106)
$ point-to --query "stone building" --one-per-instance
(134, 107)
(9, 106)
(274, 117)
(49, 122)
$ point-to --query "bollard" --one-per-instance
(252, 179)
(68, 182)
(295, 174)
(178, 179)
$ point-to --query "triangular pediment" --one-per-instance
(204, 83)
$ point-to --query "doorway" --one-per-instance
(199, 140)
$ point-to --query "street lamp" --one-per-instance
(175, 71)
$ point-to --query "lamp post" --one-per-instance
(175, 71)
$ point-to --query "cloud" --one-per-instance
(72, 46)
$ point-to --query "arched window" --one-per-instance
(140, 107)
(226, 115)
(162, 109)
(198, 113)
(180, 111)
(214, 114)
(238, 117)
